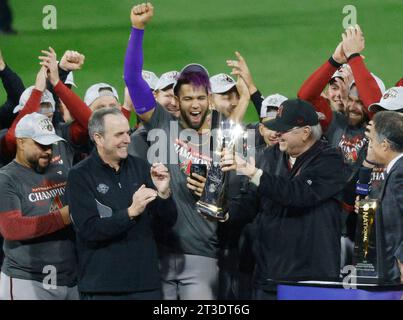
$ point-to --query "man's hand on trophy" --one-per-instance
(357, 203)
(196, 183)
(230, 161)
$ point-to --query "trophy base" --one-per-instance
(366, 273)
(366, 280)
(211, 211)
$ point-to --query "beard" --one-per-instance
(356, 119)
(189, 123)
(34, 164)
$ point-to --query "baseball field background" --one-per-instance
(282, 41)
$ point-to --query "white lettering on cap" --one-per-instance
(46, 125)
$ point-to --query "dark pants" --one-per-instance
(233, 283)
(141, 295)
(6, 17)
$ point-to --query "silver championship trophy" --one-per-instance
(213, 201)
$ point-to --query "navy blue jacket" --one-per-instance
(391, 226)
(298, 228)
(115, 254)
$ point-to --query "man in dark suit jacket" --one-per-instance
(386, 147)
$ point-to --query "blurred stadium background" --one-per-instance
(283, 41)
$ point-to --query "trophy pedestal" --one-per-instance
(213, 202)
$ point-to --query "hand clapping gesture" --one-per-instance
(161, 178)
(353, 40)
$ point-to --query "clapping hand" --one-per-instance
(161, 178)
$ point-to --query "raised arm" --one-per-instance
(78, 109)
(240, 68)
(14, 87)
(313, 87)
(127, 106)
(11, 81)
(239, 112)
(353, 45)
(139, 90)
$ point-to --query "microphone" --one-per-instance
(363, 184)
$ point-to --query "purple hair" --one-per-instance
(197, 79)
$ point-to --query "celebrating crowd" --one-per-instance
(94, 209)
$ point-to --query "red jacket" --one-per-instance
(312, 88)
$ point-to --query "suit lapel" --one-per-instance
(398, 164)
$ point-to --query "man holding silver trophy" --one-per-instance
(298, 234)
(225, 133)
(188, 250)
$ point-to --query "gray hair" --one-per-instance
(389, 126)
(316, 132)
(97, 122)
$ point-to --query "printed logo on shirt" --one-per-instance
(56, 204)
(187, 156)
(102, 188)
(351, 147)
(47, 192)
(377, 177)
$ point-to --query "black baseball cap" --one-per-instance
(293, 113)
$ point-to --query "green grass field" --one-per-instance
(283, 41)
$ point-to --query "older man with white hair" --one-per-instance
(298, 232)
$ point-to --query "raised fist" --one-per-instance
(72, 60)
(141, 14)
